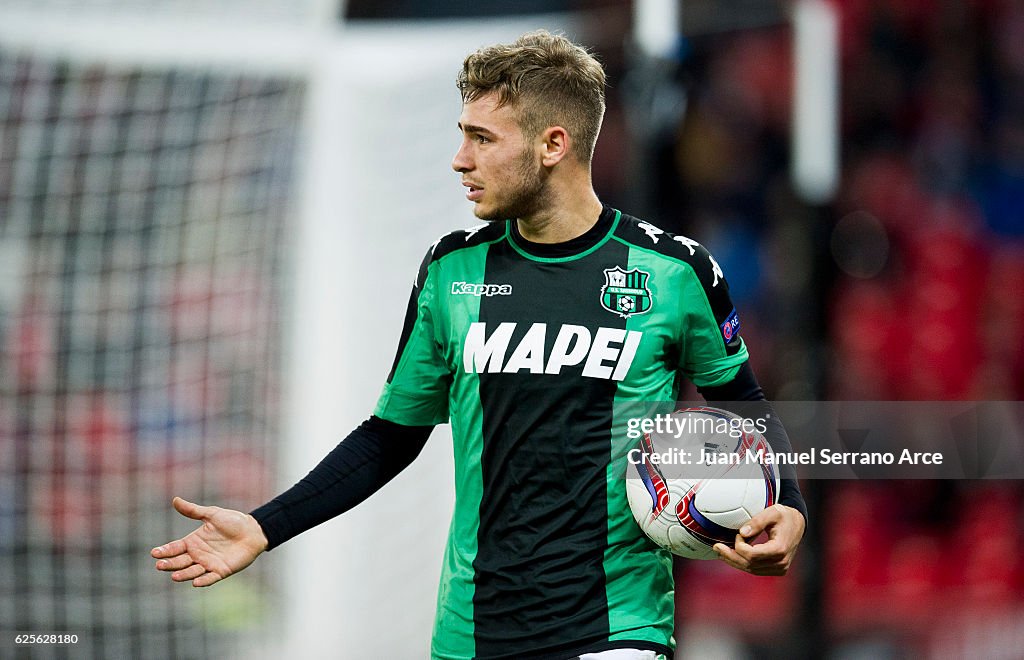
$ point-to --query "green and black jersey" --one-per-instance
(525, 348)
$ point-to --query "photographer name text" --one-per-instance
(815, 456)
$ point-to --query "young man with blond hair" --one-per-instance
(526, 333)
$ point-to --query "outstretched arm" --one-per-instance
(371, 456)
(229, 540)
(223, 545)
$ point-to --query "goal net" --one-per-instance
(190, 208)
(142, 217)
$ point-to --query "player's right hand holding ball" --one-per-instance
(785, 527)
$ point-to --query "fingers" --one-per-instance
(769, 558)
(784, 527)
(172, 549)
(760, 522)
(771, 548)
(768, 552)
(729, 556)
(174, 563)
(191, 510)
(206, 579)
(190, 573)
(737, 561)
(185, 569)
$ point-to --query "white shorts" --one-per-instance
(622, 654)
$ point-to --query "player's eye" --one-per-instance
(481, 139)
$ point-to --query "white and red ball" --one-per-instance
(686, 507)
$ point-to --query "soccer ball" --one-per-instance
(626, 304)
(697, 479)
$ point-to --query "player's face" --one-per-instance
(500, 168)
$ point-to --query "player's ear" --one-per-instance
(555, 143)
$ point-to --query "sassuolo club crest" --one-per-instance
(625, 292)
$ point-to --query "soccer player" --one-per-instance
(525, 333)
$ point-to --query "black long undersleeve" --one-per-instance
(744, 396)
(369, 457)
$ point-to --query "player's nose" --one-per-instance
(462, 162)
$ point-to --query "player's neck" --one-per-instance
(569, 217)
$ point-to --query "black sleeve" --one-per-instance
(743, 396)
(368, 458)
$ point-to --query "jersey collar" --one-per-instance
(572, 249)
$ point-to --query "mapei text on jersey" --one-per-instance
(607, 353)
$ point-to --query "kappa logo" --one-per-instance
(716, 270)
(471, 289)
(471, 232)
(625, 292)
(688, 242)
(652, 232)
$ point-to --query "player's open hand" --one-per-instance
(224, 544)
(785, 528)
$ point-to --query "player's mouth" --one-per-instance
(474, 193)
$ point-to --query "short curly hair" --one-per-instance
(547, 79)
